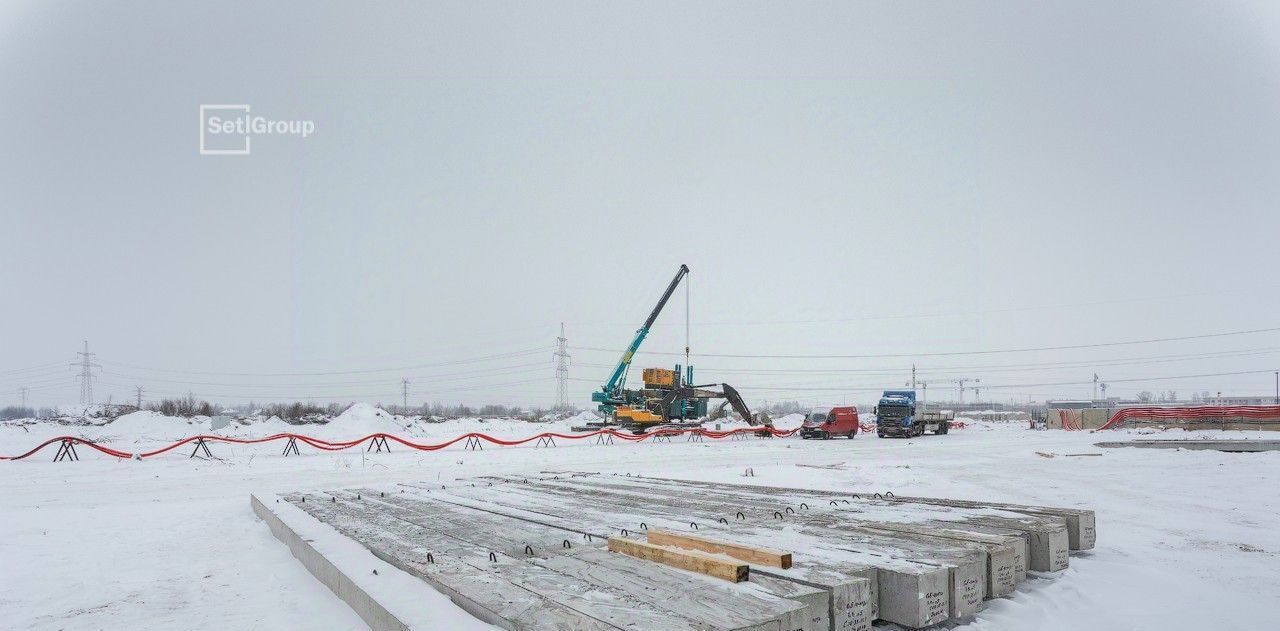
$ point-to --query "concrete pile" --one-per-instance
(587, 551)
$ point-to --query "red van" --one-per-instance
(828, 422)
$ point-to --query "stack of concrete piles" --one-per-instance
(586, 551)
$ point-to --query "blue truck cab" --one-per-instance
(896, 415)
(895, 412)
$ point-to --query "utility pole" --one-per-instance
(1095, 386)
(86, 374)
(562, 369)
(913, 376)
(924, 394)
(23, 390)
(139, 391)
(404, 393)
(1277, 387)
(1104, 392)
(961, 381)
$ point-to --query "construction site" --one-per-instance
(674, 505)
(994, 524)
(663, 316)
(582, 550)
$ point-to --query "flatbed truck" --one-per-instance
(897, 416)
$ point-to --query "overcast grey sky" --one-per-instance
(843, 179)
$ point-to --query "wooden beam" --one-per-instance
(750, 554)
(684, 559)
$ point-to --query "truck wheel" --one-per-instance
(852, 433)
(879, 434)
(942, 429)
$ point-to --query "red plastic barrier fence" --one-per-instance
(1199, 412)
(326, 445)
(76, 441)
(1067, 422)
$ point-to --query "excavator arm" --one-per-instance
(733, 399)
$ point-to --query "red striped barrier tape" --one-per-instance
(1197, 412)
(326, 445)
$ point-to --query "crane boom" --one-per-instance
(616, 380)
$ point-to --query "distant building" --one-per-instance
(1239, 400)
(978, 406)
(1109, 402)
(1074, 404)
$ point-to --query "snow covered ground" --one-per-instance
(1186, 539)
(145, 430)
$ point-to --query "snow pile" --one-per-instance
(259, 427)
(358, 421)
(784, 422)
(788, 421)
(583, 417)
(497, 427)
(152, 425)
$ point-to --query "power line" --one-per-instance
(948, 314)
(955, 353)
(344, 396)
(963, 380)
(472, 360)
(39, 367)
(269, 391)
(60, 375)
(1017, 385)
(60, 384)
(60, 379)
(988, 368)
(438, 377)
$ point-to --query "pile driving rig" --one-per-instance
(669, 398)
